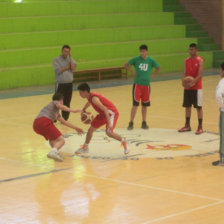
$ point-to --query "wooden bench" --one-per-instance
(99, 73)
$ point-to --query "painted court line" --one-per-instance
(154, 188)
(218, 201)
(32, 175)
(128, 183)
(183, 212)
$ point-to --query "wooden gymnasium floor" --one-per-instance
(95, 190)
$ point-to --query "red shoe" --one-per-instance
(199, 131)
(185, 128)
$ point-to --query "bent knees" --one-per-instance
(109, 133)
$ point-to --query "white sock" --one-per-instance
(87, 145)
(54, 150)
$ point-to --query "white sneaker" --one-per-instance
(54, 155)
(83, 149)
(126, 146)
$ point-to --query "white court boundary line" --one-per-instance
(183, 212)
(127, 183)
(218, 201)
(154, 188)
(162, 218)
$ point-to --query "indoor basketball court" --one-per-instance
(167, 178)
(131, 53)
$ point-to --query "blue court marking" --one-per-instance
(32, 175)
(35, 91)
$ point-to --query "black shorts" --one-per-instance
(193, 97)
(141, 93)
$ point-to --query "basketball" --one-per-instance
(187, 82)
(86, 117)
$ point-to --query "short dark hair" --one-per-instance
(84, 87)
(65, 46)
(193, 45)
(57, 96)
(222, 66)
(143, 47)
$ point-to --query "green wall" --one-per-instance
(56, 8)
(101, 33)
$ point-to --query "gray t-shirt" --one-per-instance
(50, 111)
(66, 76)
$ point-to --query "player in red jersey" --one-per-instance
(107, 114)
(193, 95)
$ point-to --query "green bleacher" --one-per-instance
(205, 43)
(101, 33)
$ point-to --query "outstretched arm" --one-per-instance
(65, 108)
(68, 124)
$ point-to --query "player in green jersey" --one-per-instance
(141, 89)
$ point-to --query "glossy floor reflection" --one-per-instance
(37, 190)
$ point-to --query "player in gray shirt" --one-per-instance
(64, 66)
(44, 125)
(51, 111)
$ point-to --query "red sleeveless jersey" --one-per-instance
(109, 105)
(192, 69)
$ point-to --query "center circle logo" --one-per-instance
(152, 143)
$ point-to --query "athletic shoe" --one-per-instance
(144, 125)
(54, 155)
(83, 149)
(199, 131)
(130, 126)
(184, 129)
(218, 163)
(126, 147)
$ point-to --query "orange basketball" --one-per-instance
(86, 117)
(187, 82)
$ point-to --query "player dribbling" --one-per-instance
(107, 115)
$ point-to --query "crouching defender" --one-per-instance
(44, 125)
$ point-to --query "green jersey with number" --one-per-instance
(143, 69)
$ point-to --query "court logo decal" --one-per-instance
(169, 147)
(152, 143)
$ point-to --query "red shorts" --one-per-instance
(141, 93)
(45, 127)
(101, 120)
